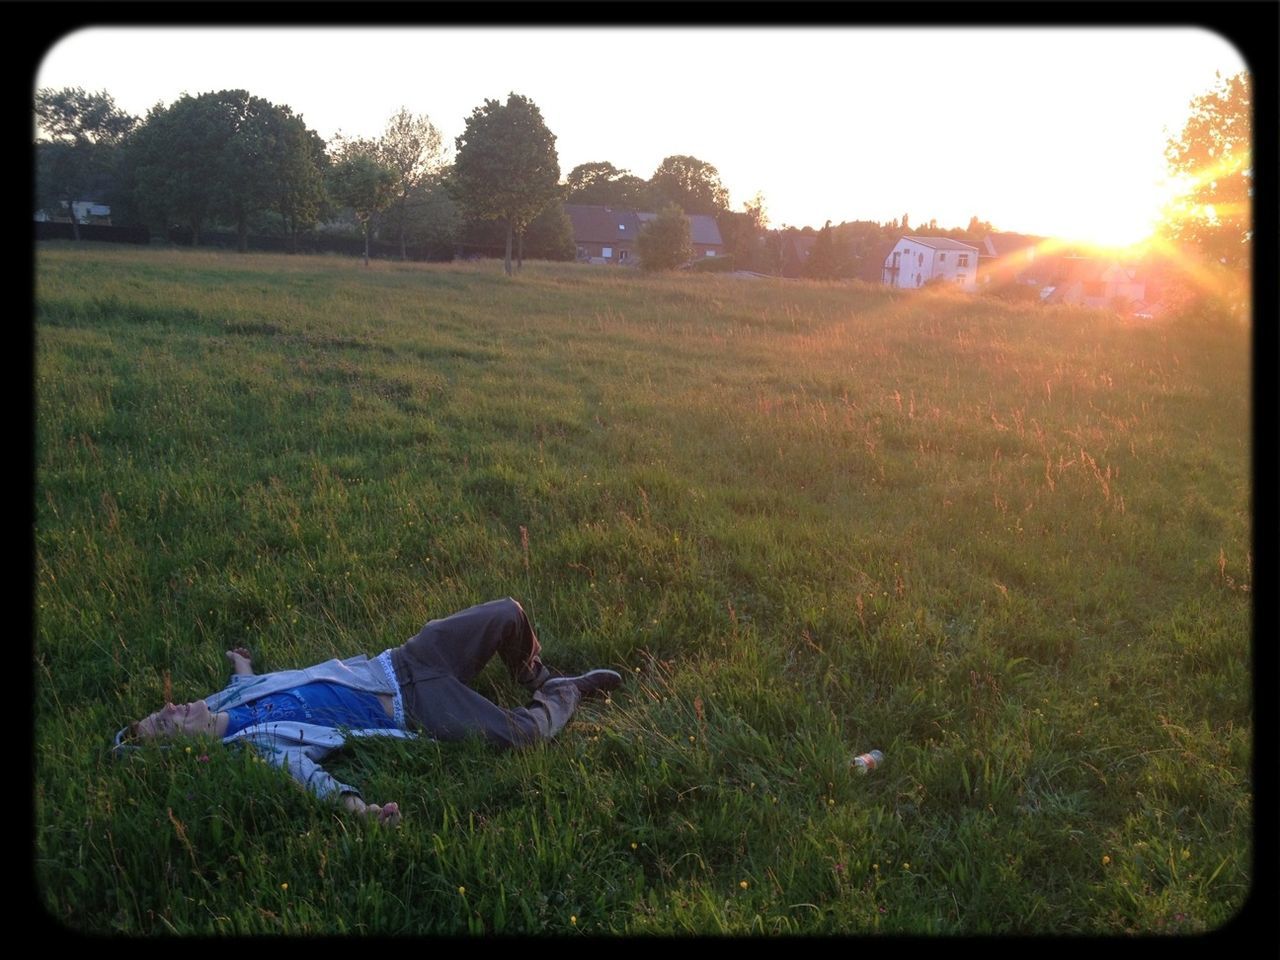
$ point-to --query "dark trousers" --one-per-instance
(435, 668)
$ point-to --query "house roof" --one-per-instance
(940, 243)
(600, 224)
(702, 227)
(1001, 244)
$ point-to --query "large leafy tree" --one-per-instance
(506, 167)
(691, 184)
(663, 243)
(300, 178)
(1215, 153)
(78, 135)
(227, 156)
(411, 147)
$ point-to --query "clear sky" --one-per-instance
(1058, 132)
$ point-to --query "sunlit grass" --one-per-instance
(1009, 546)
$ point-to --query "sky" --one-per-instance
(1050, 131)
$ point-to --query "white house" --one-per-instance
(914, 261)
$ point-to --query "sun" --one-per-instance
(1119, 218)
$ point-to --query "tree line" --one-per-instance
(231, 160)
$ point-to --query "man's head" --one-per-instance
(183, 720)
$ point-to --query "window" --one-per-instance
(606, 252)
(920, 260)
(941, 257)
(710, 253)
(622, 226)
(964, 259)
(624, 255)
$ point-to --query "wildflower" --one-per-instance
(633, 845)
(905, 865)
(743, 884)
(573, 919)
(462, 891)
(284, 886)
(831, 801)
(1186, 854)
(1106, 860)
(840, 868)
(691, 739)
(203, 758)
(186, 749)
(876, 867)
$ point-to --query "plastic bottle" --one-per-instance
(866, 762)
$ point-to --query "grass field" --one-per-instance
(1009, 546)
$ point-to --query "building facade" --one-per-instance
(915, 261)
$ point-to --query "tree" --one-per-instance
(550, 234)
(433, 219)
(506, 167)
(743, 234)
(1214, 153)
(360, 182)
(600, 182)
(691, 184)
(823, 262)
(411, 147)
(228, 156)
(176, 158)
(664, 243)
(78, 136)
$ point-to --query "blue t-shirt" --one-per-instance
(324, 704)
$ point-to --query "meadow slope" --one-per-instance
(1007, 545)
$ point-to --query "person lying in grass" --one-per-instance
(295, 718)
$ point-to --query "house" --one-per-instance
(608, 234)
(86, 211)
(915, 261)
(794, 250)
(704, 233)
(1010, 257)
(1096, 283)
(603, 234)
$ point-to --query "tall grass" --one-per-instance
(1007, 545)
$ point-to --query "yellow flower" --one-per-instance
(284, 886)
(691, 739)
(905, 865)
(573, 920)
(831, 801)
(1105, 860)
(462, 891)
(633, 845)
(875, 866)
(186, 749)
(743, 884)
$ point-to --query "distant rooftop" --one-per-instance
(940, 243)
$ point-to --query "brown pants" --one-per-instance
(434, 668)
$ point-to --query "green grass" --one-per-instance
(1009, 546)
